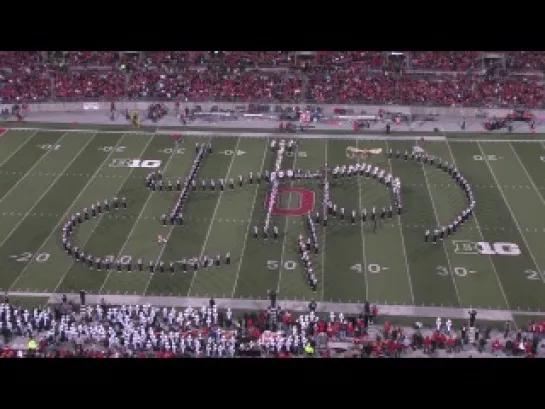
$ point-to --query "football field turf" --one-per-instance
(46, 176)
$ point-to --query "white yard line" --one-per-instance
(249, 223)
(324, 234)
(482, 238)
(45, 192)
(442, 243)
(511, 212)
(362, 233)
(18, 148)
(64, 216)
(150, 194)
(541, 273)
(527, 174)
(34, 166)
(286, 228)
(203, 249)
(405, 258)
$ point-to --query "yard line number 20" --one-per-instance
(28, 256)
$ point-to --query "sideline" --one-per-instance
(293, 305)
(243, 132)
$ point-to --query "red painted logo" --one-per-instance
(306, 202)
(3, 131)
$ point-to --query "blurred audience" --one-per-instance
(447, 78)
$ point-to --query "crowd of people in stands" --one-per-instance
(144, 331)
(451, 78)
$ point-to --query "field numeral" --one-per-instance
(299, 154)
(485, 157)
(457, 271)
(108, 149)
(49, 147)
(542, 158)
(230, 152)
(175, 151)
(27, 256)
(123, 259)
(371, 268)
(534, 275)
(135, 163)
(275, 265)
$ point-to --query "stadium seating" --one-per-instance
(526, 60)
(443, 60)
(428, 77)
(214, 85)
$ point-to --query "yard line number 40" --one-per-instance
(372, 268)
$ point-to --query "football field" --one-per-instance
(47, 175)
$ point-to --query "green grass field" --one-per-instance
(45, 176)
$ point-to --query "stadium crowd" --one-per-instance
(461, 78)
(142, 331)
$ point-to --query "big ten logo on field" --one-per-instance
(486, 248)
(292, 201)
(135, 163)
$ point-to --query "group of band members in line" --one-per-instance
(108, 263)
(340, 172)
(442, 232)
(312, 233)
(154, 181)
(290, 145)
(304, 251)
(304, 248)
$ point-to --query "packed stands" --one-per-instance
(461, 78)
(469, 91)
(214, 85)
(526, 60)
(89, 84)
(444, 60)
(346, 86)
(374, 59)
(143, 331)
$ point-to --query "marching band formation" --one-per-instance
(441, 232)
(155, 181)
(346, 171)
(109, 263)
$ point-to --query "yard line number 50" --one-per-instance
(456, 271)
(275, 265)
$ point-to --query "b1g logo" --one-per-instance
(300, 198)
(486, 248)
(135, 163)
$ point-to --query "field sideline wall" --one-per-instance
(327, 108)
